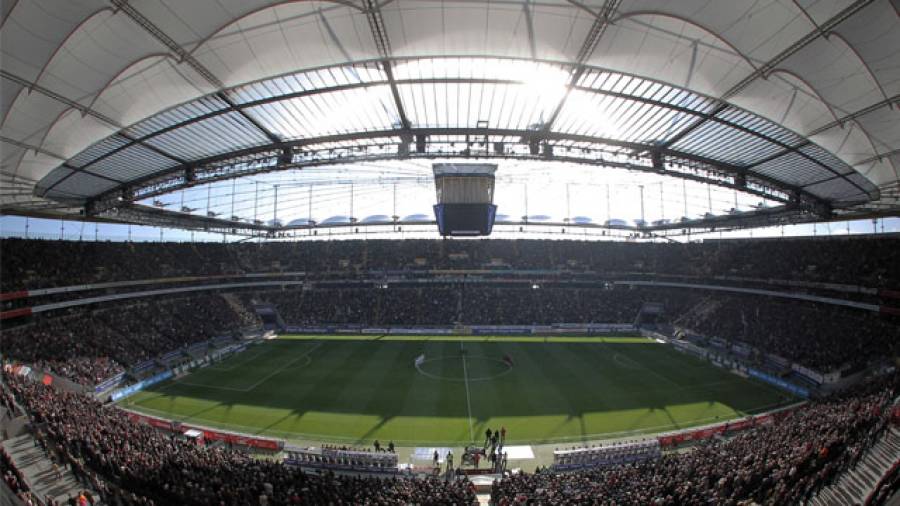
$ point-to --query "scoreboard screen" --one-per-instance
(465, 198)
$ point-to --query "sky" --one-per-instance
(17, 226)
(403, 188)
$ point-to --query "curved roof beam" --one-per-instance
(685, 20)
(125, 69)
(889, 102)
(202, 42)
(581, 6)
(15, 164)
(819, 31)
(29, 147)
(807, 15)
(30, 85)
(865, 133)
(9, 12)
(868, 136)
(809, 86)
(164, 39)
(878, 158)
(13, 104)
(700, 121)
(882, 156)
(859, 57)
(75, 30)
(240, 107)
(53, 124)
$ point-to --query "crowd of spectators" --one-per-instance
(8, 403)
(134, 464)
(546, 305)
(822, 337)
(781, 463)
(467, 304)
(372, 306)
(91, 346)
(74, 347)
(866, 261)
(128, 463)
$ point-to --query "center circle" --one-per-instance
(477, 368)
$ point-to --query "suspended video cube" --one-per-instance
(465, 198)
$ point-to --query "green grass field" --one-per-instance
(332, 388)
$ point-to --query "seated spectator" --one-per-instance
(91, 346)
(866, 261)
(779, 463)
(144, 466)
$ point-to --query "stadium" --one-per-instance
(543, 252)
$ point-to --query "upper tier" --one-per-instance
(867, 261)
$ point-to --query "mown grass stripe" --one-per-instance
(359, 390)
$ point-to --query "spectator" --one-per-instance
(91, 346)
(780, 463)
(866, 261)
(145, 467)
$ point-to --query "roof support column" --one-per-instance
(379, 33)
(601, 22)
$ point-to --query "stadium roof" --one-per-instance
(104, 103)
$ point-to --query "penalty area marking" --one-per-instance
(625, 362)
(466, 378)
(265, 378)
(237, 363)
(637, 366)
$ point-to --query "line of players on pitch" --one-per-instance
(491, 450)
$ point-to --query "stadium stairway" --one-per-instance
(235, 303)
(37, 469)
(699, 312)
(7, 498)
(854, 486)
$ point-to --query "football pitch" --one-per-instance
(543, 390)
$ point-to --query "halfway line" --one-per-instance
(468, 395)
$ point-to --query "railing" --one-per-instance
(605, 455)
(341, 460)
